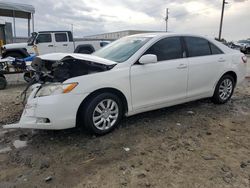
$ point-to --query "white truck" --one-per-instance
(44, 42)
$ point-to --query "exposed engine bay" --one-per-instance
(59, 67)
(68, 67)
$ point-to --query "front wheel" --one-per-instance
(103, 113)
(224, 89)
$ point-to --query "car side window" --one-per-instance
(166, 49)
(44, 38)
(197, 46)
(61, 37)
(215, 50)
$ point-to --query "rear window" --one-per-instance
(215, 50)
(61, 37)
(70, 36)
(197, 46)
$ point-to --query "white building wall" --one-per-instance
(116, 35)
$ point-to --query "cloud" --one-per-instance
(240, 1)
(96, 16)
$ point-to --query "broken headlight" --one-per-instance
(55, 89)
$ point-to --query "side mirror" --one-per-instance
(147, 59)
(37, 41)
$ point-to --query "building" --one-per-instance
(118, 34)
(15, 10)
(5, 33)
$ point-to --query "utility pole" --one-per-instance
(222, 15)
(166, 19)
(72, 29)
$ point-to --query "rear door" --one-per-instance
(206, 62)
(63, 42)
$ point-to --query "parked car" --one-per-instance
(243, 45)
(132, 75)
(45, 42)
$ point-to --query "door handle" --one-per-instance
(50, 45)
(221, 60)
(182, 66)
(65, 44)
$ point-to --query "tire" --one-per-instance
(3, 83)
(224, 89)
(15, 55)
(84, 52)
(94, 109)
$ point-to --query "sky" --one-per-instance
(101, 16)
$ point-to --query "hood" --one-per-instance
(15, 45)
(86, 57)
(58, 67)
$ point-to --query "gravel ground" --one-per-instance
(197, 144)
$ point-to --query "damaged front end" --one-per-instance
(58, 67)
(51, 104)
(67, 67)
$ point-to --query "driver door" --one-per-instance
(163, 82)
(45, 43)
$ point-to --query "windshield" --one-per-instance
(32, 38)
(122, 49)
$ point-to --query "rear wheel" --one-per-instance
(103, 113)
(3, 83)
(224, 89)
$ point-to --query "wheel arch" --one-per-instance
(231, 73)
(87, 47)
(97, 92)
(21, 51)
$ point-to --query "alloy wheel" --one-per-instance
(225, 89)
(105, 114)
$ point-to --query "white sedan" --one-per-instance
(134, 74)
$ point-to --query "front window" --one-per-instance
(167, 49)
(122, 49)
(44, 38)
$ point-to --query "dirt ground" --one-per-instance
(198, 144)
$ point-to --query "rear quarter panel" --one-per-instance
(239, 66)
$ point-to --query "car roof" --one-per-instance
(159, 35)
(53, 31)
(165, 34)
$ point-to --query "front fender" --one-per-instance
(115, 79)
(21, 51)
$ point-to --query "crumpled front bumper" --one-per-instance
(50, 112)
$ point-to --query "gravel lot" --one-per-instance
(197, 144)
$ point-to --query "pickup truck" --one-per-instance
(44, 42)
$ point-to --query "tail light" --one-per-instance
(244, 59)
